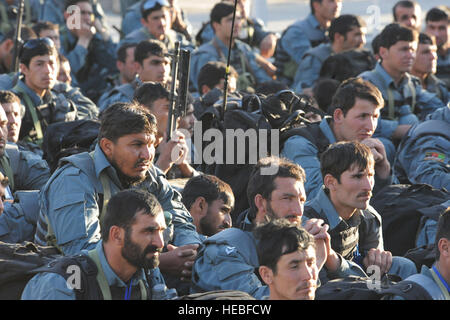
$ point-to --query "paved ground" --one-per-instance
(281, 13)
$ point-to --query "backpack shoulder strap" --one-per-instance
(311, 132)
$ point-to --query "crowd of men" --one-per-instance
(377, 117)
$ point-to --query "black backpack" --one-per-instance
(356, 288)
(19, 262)
(63, 139)
(422, 256)
(218, 295)
(402, 207)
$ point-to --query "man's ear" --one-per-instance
(338, 115)
(330, 182)
(444, 247)
(260, 203)
(200, 206)
(117, 235)
(383, 52)
(266, 274)
(107, 147)
(8, 45)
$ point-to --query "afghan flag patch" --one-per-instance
(435, 156)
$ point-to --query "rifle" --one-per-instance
(180, 65)
(17, 37)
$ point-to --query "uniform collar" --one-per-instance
(387, 79)
(101, 164)
(312, 20)
(326, 129)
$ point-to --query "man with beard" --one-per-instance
(228, 260)
(73, 201)
(355, 227)
(126, 257)
(210, 202)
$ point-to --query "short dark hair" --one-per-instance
(426, 39)
(147, 48)
(277, 238)
(394, 33)
(122, 209)
(7, 96)
(42, 47)
(26, 33)
(341, 156)
(40, 26)
(443, 230)
(376, 44)
(343, 24)
(209, 187)
(323, 92)
(121, 119)
(403, 4)
(436, 14)
(122, 51)
(146, 12)
(211, 74)
(349, 90)
(264, 184)
(69, 3)
(148, 92)
(220, 10)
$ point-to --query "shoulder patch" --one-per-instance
(434, 156)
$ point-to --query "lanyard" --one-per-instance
(128, 291)
(441, 278)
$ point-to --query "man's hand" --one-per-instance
(382, 165)
(173, 151)
(268, 45)
(178, 261)
(380, 258)
(84, 34)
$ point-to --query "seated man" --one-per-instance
(424, 68)
(155, 98)
(228, 260)
(355, 227)
(243, 59)
(304, 35)
(253, 33)
(423, 156)
(287, 260)
(125, 259)
(212, 75)
(45, 99)
(356, 107)
(406, 101)
(347, 32)
(74, 199)
(151, 64)
(437, 24)
(46, 29)
(210, 202)
(408, 13)
(91, 52)
(156, 25)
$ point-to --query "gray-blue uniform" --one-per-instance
(71, 203)
(423, 156)
(252, 33)
(228, 261)
(64, 103)
(90, 67)
(27, 174)
(293, 44)
(405, 103)
(354, 237)
(308, 70)
(307, 153)
(169, 40)
(52, 286)
(437, 86)
(8, 21)
(121, 93)
(242, 58)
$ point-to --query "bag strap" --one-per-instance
(101, 278)
(106, 190)
(4, 163)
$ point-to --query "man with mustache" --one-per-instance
(406, 101)
(355, 227)
(353, 115)
(228, 260)
(127, 256)
(74, 199)
(287, 256)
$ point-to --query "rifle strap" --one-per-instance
(34, 116)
